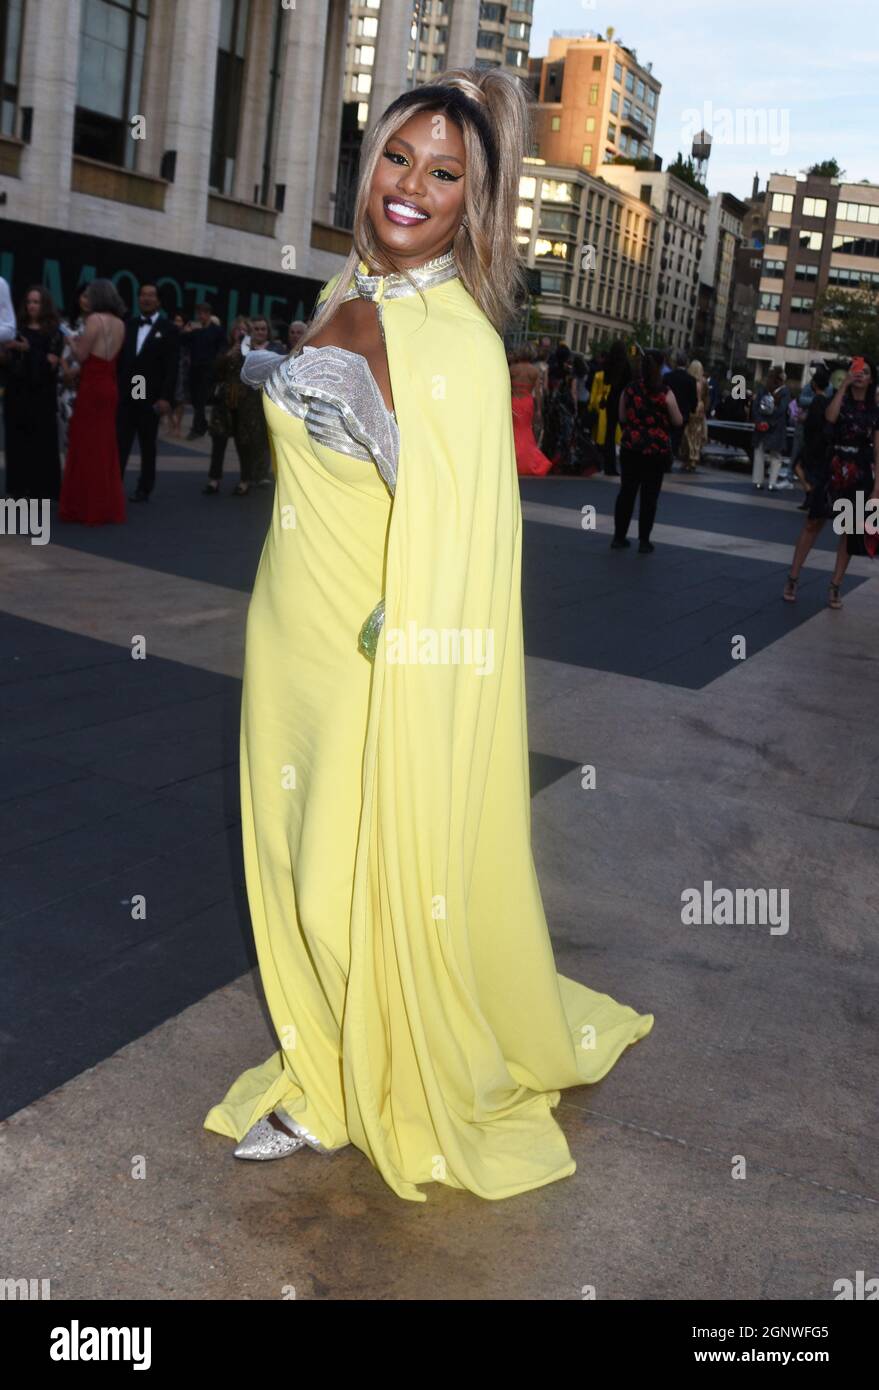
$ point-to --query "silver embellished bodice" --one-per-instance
(335, 393)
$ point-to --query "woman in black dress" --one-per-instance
(30, 362)
(849, 469)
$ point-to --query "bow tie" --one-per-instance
(144, 323)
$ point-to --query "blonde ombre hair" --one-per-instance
(490, 109)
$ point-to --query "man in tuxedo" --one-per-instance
(147, 373)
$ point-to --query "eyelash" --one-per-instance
(449, 176)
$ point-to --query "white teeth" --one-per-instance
(404, 211)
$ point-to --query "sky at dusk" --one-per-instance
(780, 85)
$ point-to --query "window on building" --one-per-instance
(587, 154)
(782, 202)
(856, 246)
(765, 332)
(770, 301)
(858, 212)
(811, 241)
(627, 107)
(590, 124)
(112, 42)
(611, 131)
(593, 94)
(234, 15)
(556, 122)
(515, 57)
(639, 90)
(799, 305)
(806, 272)
(596, 63)
(797, 337)
(618, 73)
(777, 236)
(615, 103)
(630, 82)
(774, 268)
(10, 53)
(651, 98)
(840, 275)
(816, 207)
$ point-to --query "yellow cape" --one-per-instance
(400, 931)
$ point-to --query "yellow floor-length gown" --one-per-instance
(401, 936)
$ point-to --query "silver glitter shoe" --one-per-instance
(262, 1140)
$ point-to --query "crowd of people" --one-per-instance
(635, 413)
(80, 388)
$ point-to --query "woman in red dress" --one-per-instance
(524, 382)
(91, 491)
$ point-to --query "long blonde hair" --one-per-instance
(490, 109)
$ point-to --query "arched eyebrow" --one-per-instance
(411, 150)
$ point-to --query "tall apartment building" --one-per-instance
(683, 212)
(594, 101)
(820, 232)
(723, 237)
(594, 246)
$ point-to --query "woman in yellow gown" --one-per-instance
(400, 932)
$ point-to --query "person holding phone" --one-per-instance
(850, 466)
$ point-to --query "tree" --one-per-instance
(847, 322)
(685, 170)
(826, 169)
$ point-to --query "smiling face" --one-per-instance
(416, 199)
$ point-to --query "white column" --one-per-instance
(49, 67)
(191, 79)
(255, 98)
(389, 77)
(299, 116)
(330, 125)
(461, 40)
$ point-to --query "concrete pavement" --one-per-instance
(119, 778)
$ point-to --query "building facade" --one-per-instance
(594, 246)
(820, 233)
(683, 214)
(193, 143)
(723, 237)
(594, 102)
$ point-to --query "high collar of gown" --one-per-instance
(366, 285)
